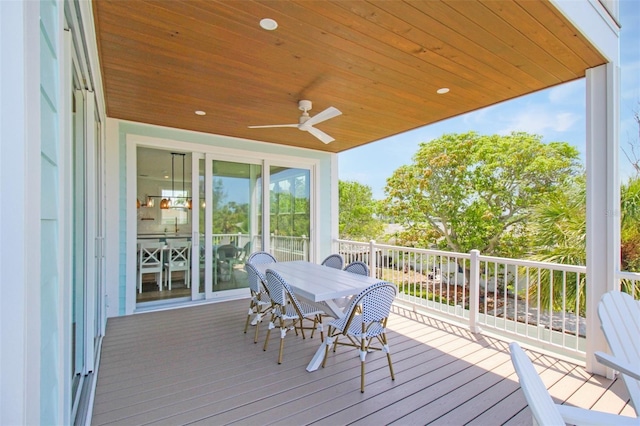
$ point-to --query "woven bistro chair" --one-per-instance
(333, 261)
(260, 258)
(357, 267)
(365, 322)
(227, 259)
(260, 301)
(285, 307)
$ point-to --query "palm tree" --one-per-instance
(559, 232)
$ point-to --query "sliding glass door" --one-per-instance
(229, 221)
(222, 207)
(290, 212)
(164, 217)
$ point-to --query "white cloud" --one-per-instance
(567, 93)
(539, 119)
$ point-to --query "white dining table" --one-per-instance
(318, 283)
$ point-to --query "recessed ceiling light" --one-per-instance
(200, 112)
(442, 91)
(268, 24)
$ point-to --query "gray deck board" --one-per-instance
(195, 366)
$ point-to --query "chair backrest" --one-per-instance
(620, 321)
(179, 253)
(256, 279)
(357, 267)
(374, 302)
(227, 251)
(261, 257)
(275, 287)
(244, 252)
(377, 301)
(542, 407)
(283, 291)
(151, 255)
(333, 261)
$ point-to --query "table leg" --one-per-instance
(319, 355)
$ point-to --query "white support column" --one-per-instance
(20, 163)
(603, 199)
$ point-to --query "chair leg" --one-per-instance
(326, 347)
(255, 337)
(246, 324)
(385, 348)
(363, 354)
(301, 327)
(258, 320)
(283, 333)
(271, 325)
(393, 377)
(318, 324)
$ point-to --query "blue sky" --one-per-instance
(557, 114)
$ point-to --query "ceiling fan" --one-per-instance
(307, 122)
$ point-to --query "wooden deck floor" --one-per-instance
(194, 365)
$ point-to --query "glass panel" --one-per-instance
(163, 177)
(236, 229)
(78, 242)
(290, 213)
(99, 269)
(201, 226)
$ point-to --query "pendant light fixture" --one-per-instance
(165, 203)
(184, 194)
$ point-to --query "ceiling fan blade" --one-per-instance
(273, 125)
(319, 134)
(322, 116)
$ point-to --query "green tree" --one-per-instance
(559, 236)
(629, 221)
(470, 191)
(357, 207)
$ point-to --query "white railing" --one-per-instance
(630, 283)
(496, 294)
(286, 248)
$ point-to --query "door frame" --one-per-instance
(133, 141)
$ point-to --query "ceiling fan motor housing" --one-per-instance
(304, 105)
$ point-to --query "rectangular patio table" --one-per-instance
(318, 283)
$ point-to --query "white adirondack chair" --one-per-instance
(544, 410)
(620, 321)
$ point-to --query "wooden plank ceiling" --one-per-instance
(379, 62)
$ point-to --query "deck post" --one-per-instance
(372, 258)
(474, 291)
(603, 201)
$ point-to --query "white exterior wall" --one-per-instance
(35, 149)
(20, 282)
